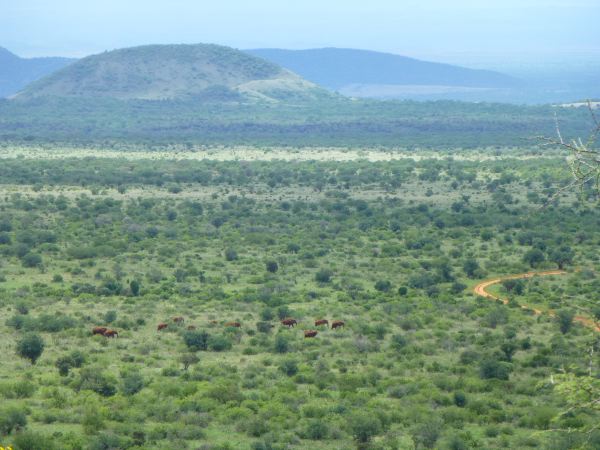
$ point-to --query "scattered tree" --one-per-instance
(31, 347)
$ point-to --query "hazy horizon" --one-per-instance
(508, 34)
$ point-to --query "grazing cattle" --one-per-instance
(289, 322)
(321, 322)
(337, 324)
(233, 324)
(162, 326)
(213, 322)
(178, 320)
(98, 330)
(111, 334)
(310, 333)
(191, 327)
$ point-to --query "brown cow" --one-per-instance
(162, 326)
(321, 322)
(310, 333)
(191, 327)
(111, 334)
(98, 330)
(289, 322)
(337, 324)
(178, 320)
(233, 324)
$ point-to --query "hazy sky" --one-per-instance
(451, 30)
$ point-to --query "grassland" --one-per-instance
(391, 243)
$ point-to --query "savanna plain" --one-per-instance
(218, 247)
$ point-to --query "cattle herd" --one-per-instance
(105, 332)
(288, 322)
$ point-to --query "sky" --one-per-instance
(478, 33)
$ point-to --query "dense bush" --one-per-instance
(430, 366)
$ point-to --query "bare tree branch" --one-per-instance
(584, 157)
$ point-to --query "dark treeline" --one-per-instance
(319, 175)
(338, 122)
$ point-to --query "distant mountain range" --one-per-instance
(339, 68)
(201, 72)
(16, 72)
(212, 73)
(210, 94)
(171, 71)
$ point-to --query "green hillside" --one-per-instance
(158, 72)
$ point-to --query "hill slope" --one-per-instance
(16, 72)
(159, 72)
(337, 68)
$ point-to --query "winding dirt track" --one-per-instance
(480, 289)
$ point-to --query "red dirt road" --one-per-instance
(480, 290)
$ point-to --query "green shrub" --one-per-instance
(30, 440)
(565, 320)
(454, 442)
(470, 267)
(383, 286)
(132, 383)
(427, 433)
(492, 368)
(230, 255)
(460, 399)
(46, 323)
(323, 276)
(541, 417)
(196, 340)
(188, 359)
(225, 392)
(281, 344)
(316, 430)
(534, 257)
(272, 266)
(284, 311)
(63, 364)
(364, 426)
(12, 419)
(110, 316)
(457, 287)
(398, 342)
(31, 260)
(17, 389)
(134, 287)
(31, 347)
(95, 380)
(289, 367)
(106, 441)
(219, 343)
(264, 327)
